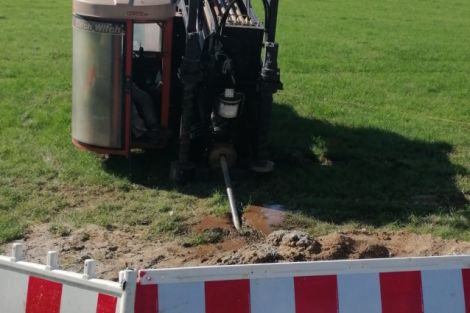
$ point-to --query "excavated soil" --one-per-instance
(116, 249)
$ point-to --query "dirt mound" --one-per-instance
(281, 245)
(258, 253)
(116, 249)
(294, 246)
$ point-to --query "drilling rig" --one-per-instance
(198, 73)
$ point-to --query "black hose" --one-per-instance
(192, 16)
(266, 13)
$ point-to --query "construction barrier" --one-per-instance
(399, 285)
(34, 288)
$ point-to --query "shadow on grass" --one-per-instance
(333, 173)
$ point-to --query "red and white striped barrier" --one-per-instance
(401, 285)
(411, 285)
(34, 288)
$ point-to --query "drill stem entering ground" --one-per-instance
(231, 197)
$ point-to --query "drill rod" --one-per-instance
(231, 197)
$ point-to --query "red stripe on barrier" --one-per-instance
(316, 294)
(231, 296)
(43, 296)
(146, 299)
(401, 292)
(106, 304)
(466, 288)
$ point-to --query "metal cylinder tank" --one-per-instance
(97, 96)
(99, 82)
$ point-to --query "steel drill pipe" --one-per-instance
(231, 196)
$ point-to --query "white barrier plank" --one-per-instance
(273, 295)
(359, 293)
(78, 300)
(181, 298)
(443, 291)
(13, 290)
(251, 271)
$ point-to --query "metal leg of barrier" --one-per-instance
(128, 281)
(17, 252)
(52, 260)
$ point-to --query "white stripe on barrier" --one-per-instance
(181, 298)
(274, 295)
(78, 300)
(13, 285)
(443, 291)
(359, 293)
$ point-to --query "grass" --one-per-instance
(372, 129)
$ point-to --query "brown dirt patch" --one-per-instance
(117, 249)
(211, 222)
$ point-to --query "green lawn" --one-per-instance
(372, 129)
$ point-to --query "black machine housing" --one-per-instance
(222, 92)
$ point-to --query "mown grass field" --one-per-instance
(372, 129)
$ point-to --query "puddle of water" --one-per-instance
(264, 219)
